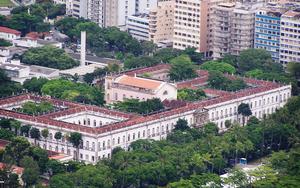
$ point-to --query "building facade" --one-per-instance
(138, 26)
(103, 129)
(161, 21)
(187, 22)
(127, 87)
(232, 28)
(267, 31)
(9, 34)
(290, 37)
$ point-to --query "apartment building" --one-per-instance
(190, 24)
(232, 28)
(161, 22)
(267, 30)
(138, 26)
(117, 11)
(290, 37)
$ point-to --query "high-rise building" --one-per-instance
(267, 30)
(290, 37)
(190, 24)
(232, 27)
(117, 11)
(138, 26)
(161, 21)
(108, 12)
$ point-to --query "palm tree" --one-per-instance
(25, 130)
(35, 134)
(245, 111)
(16, 125)
(57, 136)
(76, 139)
(45, 134)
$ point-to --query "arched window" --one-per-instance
(95, 123)
(165, 92)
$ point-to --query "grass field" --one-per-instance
(6, 3)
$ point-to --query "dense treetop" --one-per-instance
(49, 56)
(141, 107)
(218, 81)
(65, 89)
(30, 18)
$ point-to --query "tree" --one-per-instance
(244, 110)
(181, 125)
(45, 133)
(41, 156)
(5, 43)
(195, 56)
(33, 108)
(49, 56)
(58, 136)
(294, 69)
(31, 171)
(34, 84)
(190, 94)
(237, 178)
(25, 130)
(217, 80)
(17, 148)
(16, 125)
(264, 176)
(68, 90)
(253, 59)
(76, 139)
(54, 167)
(218, 66)
(62, 181)
(182, 68)
(166, 54)
(35, 134)
(141, 107)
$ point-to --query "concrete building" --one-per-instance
(138, 26)
(103, 129)
(124, 87)
(187, 24)
(9, 34)
(108, 12)
(16, 72)
(267, 30)
(232, 28)
(117, 11)
(290, 37)
(161, 22)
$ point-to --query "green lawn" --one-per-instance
(6, 3)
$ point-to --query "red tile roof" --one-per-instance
(139, 82)
(9, 30)
(221, 96)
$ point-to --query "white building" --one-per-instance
(138, 26)
(103, 129)
(131, 87)
(108, 12)
(290, 37)
(9, 34)
(26, 42)
(20, 72)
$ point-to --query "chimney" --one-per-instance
(83, 48)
